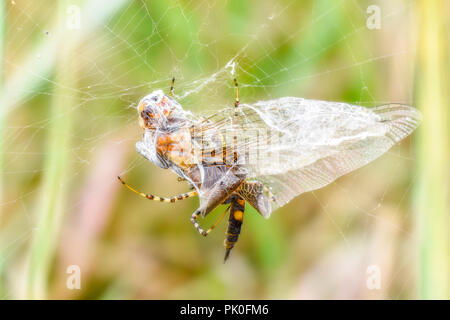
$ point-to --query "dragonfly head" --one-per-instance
(156, 109)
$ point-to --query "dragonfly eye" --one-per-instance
(149, 118)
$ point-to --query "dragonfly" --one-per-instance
(265, 153)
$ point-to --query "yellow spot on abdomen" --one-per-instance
(238, 215)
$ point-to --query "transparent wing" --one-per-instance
(295, 145)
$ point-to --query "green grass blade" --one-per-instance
(2, 121)
(433, 145)
(51, 207)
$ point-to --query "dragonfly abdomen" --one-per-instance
(234, 223)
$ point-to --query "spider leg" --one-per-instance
(194, 217)
(157, 198)
(204, 233)
(236, 103)
(172, 87)
(236, 106)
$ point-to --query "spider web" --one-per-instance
(318, 49)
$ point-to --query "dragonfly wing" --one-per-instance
(255, 193)
(295, 145)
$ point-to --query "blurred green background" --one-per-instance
(72, 73)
